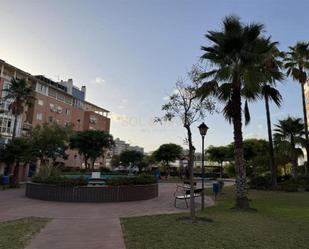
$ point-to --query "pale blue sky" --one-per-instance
(130, 53)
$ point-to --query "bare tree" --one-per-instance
(184, 105)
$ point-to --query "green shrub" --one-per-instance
(74, 173)
(293, 184)
(48, 171)
(139, 180)
(104, 170)
(230, 170)
(288, 187)
(52, 175)
(262, 182)
(60, 180)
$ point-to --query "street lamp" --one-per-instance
(203, 131)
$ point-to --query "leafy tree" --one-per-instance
(91, 144)
(50, 141)
(115, 161)
(185, 105)
(256, 155)
(132, 158)
(236, 56)
(20, 94)
(272, 71)
(288, 135)
(168, 153)
(218, 154)
(17, 151)
(255, 147)
(148, 160)
(297, 65)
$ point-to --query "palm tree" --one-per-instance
(297, 63)
(20, 94)
(272, 71)
(288, 134)
(236, 56)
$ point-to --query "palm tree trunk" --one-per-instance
(295, 158)
(306, 128)
(242, 201)
(191, 172)
(273, 166)
(14, 126)
(86, 163)
(15, 179)
(221, 170)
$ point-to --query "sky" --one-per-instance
(130, 53)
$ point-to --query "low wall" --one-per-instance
(91, 194)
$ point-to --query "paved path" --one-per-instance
(84, 225)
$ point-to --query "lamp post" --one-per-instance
(203, 131)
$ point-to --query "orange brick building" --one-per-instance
(59, 102)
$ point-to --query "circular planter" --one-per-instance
(48, 192)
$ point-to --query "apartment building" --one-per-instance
(121, 146)
(61, 102)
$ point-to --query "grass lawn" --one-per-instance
(281, 222)
(16, 234)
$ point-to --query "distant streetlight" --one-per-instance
(203, 131)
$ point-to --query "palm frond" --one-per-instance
(228, 111)
(247, 113)
(207, 89)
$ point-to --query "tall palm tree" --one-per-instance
(236, 56)
(20, 94)
(272, 71)
(289, 132)
(297, 63)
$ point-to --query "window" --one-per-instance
(52, 107)
(52, 92)
(59, 109)
(50, 119)
(68, 100)
(67, 111)
(39, 116)
(41, 88)
(5, 124)
(93, 120)
(6, 85)
(60, 96)
(40, 102)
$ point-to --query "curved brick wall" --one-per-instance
(91, 194)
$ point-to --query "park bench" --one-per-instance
(96, 179)
(183, 193)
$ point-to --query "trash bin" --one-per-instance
(215, 188)
(5, 180)
(157, 175)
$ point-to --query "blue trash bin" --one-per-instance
(157, 175)
(215, 188)
(5, 180)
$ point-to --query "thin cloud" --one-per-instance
(99, 80)
(121, 107)
(118, 118)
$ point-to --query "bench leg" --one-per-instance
(175, 202)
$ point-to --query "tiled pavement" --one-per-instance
(84, 225)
